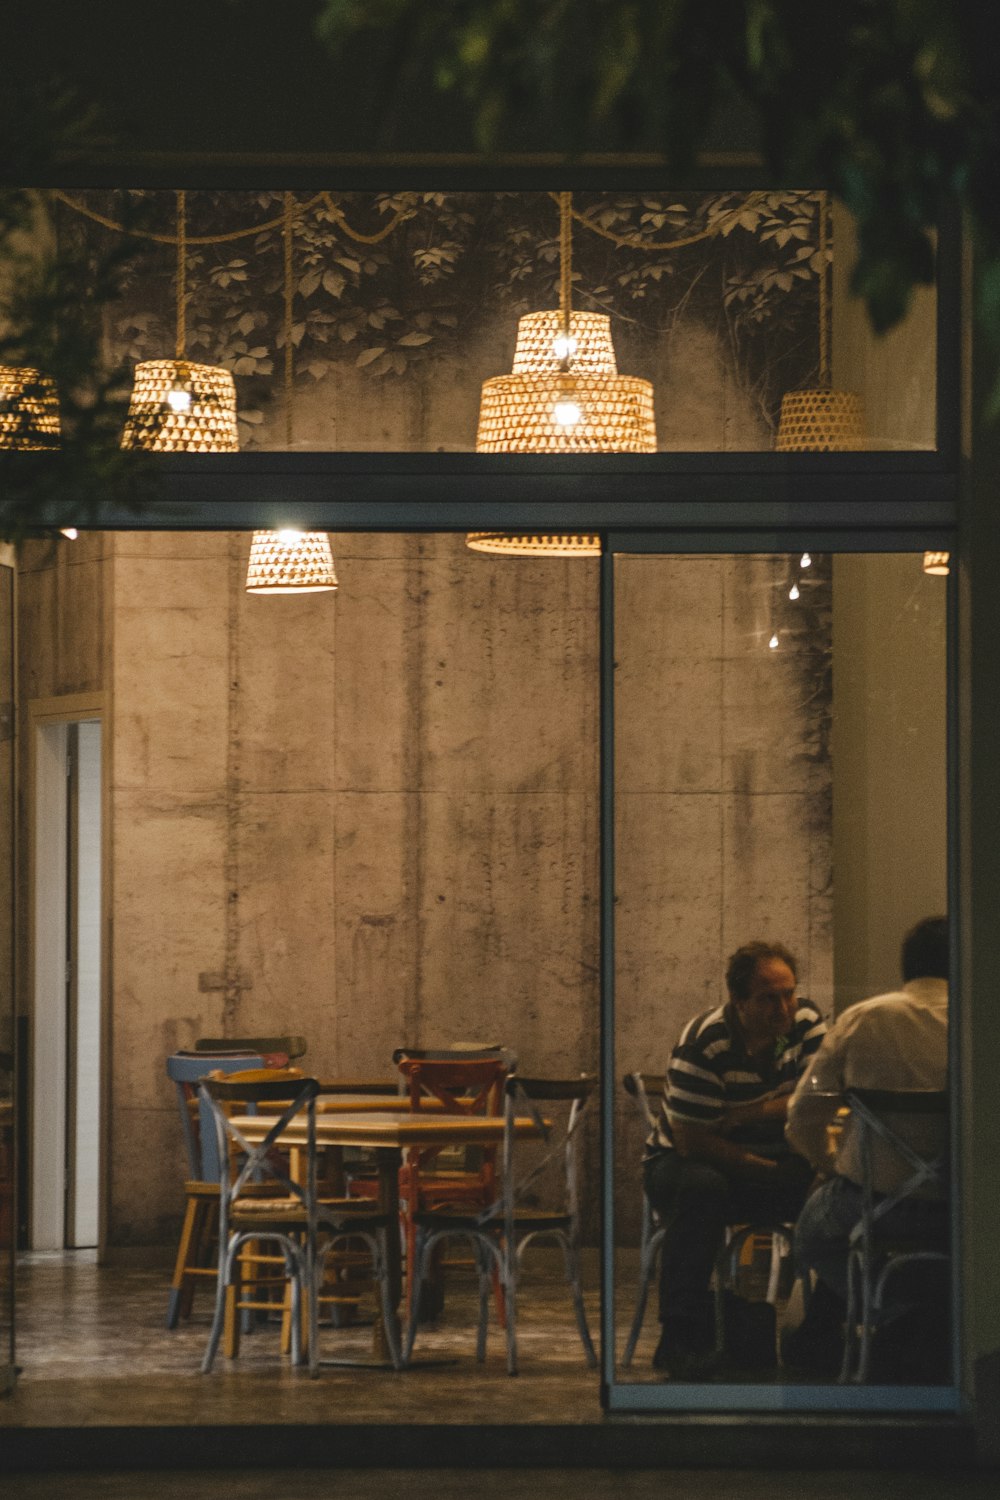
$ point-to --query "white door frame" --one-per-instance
(48, 720)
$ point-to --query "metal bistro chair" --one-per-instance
(292, 1220)
(502, 1232)
(898, 1229)
(640, 1087)
(201, 1185)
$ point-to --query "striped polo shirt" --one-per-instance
(711, 1069)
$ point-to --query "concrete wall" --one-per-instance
(890, 847)
(372, 817)
(723, 794)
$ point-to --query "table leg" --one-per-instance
(388, 1160)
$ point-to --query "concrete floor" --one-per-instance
(105, 1386)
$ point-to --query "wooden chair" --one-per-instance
(461, 1082)
(291, 1220)
(500, 1234)
(289, 1048)
(898, 1229)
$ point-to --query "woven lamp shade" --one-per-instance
(29, 410)
(937, 563)
(508, 545)
(208, 425)
(535, 352)
(516, 414)
(290, 563)
(821, 421)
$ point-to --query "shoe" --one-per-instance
(816, 1346)
(683, 1358)
(814, 1352)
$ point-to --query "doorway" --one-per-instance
(66, 949)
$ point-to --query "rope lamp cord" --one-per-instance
(824, 295)
(181, 274)
(289, 220)
(565, 263)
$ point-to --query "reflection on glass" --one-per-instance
(779, 779)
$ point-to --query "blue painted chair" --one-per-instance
(201, 1188)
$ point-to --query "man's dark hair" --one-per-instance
(742, 965)
(925, 950)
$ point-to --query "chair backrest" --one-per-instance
(288, 1047)
(184, 1070)
(225, 1098)
(463, 1083)
(562, 1141)
(644, 1088)
(887, 1117)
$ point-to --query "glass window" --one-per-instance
(779, 777)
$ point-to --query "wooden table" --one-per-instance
(387, 1134)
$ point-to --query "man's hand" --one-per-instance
(760, 1112)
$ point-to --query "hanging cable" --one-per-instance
(824, 295)
(181, 274)
(289, 215)
(565, 261)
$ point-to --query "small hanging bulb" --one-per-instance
(69, 532)
(179, 397)
(567, 413)
(806, 560)
(793, 592)
(773, 642)
(564, 346)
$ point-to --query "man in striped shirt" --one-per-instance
(718, 1155)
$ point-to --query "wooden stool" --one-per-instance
(198, 1234)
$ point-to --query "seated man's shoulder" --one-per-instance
(710, 1028)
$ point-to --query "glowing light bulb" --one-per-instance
(793, 592)
(806, 561)
(565, 346)
(773, 642)
(69, 532)
(567, 413)
(179, 399)
(289, 538)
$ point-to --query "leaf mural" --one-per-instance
(394, 284)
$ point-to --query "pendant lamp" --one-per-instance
(29, 410)
(563, 395)
(821, 419)
(290, 562)
(938, 564)
(178, 406)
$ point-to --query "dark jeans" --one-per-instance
(823, 1230)
(694, 1202)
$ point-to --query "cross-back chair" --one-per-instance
(292, 1219)
(290, 1047)
(898, 1229)
(193, 1262)
(644, 1089)
(459, 1081)
(501, 1233)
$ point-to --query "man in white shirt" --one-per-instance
(896, 1041)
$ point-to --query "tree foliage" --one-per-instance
(890, 104)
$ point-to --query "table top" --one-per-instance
(391, 1128)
